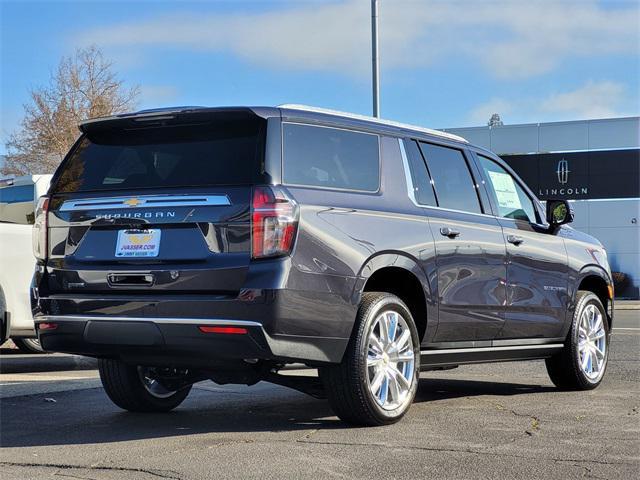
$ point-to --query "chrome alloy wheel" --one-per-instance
(592, 343)
(148, 376)
(390, 360)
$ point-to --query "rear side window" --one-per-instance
(214, 153)
(330, 158)
(452, 179)
(17, 204)
(422, 188)
(511, 199)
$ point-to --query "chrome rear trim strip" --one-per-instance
(144, 201)
(173, 321)
(542, 346)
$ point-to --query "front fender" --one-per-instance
(589, 270)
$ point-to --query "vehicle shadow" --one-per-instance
(87, 416)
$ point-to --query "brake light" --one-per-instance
(39, 235)
(274, 221)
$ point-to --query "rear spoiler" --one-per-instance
(172, 116)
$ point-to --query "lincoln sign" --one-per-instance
(580, 175)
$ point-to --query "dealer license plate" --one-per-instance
(138, 243)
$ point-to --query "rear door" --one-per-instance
(156, 206)
(470, 251)
(537, 274)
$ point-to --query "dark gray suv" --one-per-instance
(185, 244)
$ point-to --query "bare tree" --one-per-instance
(83, 86)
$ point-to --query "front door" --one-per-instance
(537, 273)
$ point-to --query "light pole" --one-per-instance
(375, 67)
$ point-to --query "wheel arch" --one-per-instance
(401, 275)
(595, 279)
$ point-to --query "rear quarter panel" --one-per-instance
(341, 234)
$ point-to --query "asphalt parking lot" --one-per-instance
(483, 421)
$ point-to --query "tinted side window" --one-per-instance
(330, 157)
(452, 179)
(511, 199)
(17, 204)
(422, 188)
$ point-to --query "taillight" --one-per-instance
(274, 220)
(39, 234)
(47, 326)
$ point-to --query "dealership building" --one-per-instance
(593, 163)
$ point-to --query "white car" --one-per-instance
(18, 200)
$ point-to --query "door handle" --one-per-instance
(516, 240)
(449, 232)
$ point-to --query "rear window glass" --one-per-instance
(331, 158)
(215, 153)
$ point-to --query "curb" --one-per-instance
(626, 305)
(28, 363)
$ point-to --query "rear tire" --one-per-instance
(377, 380)
(28, 345)
(582, 363)
(127, 387)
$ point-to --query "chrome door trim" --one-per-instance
(542, 346)
(144, 201)
(173, 321)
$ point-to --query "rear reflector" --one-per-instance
(225, 330)
(47, 326)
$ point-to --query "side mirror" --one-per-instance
(559, 212)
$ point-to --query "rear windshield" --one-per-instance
(215, 153)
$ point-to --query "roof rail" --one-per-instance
(307, 108)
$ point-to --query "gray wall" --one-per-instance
(555, 137)
(616, 223)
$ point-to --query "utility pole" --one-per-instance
(375, 67)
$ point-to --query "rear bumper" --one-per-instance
(179, 341)
(290, 316)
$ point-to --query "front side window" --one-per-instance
(453, 183)
(17, 204)
(508, 195)
(330, 158)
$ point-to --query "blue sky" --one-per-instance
(444, 63)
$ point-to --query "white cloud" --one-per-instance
(509, 38)
(602, 99)
(593, 100)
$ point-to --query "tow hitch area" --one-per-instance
(244, 374)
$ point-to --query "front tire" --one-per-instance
(138, 389)
(28, 345)
(377, 380)
(583, 361)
